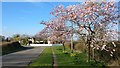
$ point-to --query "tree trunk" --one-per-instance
(88, 51)
(72, 38)
(71, 44)
(63, 47)
(93, 53)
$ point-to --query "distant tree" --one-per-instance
(42, 35)
(24, 39)
(16, 37)
(2, 38)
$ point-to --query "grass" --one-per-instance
(64, 59)
(72, 59)
(45, 58)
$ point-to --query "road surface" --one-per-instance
(21, 58)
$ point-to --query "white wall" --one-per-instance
(46, 44)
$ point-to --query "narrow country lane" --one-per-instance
(21, 58)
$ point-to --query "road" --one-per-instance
(21, 58)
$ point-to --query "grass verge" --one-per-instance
(72, 59)
(45, 59)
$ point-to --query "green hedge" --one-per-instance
(9, 47)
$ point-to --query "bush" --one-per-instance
(24, 41)
(106, 57)
(73, 54)
(67, 45)
(80, 47)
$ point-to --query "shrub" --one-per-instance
(107, 57)
(80, 47)
(67, 45)
(73, 54)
